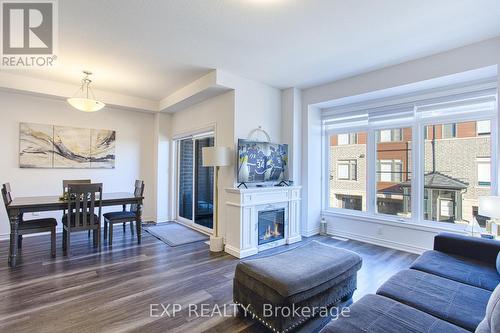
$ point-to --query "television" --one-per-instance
(260, 162)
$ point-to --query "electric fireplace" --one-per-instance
(271, 225)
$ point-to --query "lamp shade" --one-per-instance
(85, 104)
(216, 156)
(489, 206)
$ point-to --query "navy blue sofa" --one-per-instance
(454, 288)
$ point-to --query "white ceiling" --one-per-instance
(151, 48)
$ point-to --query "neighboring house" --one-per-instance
(457, 171)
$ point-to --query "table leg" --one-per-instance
(14, 229)
(138, 223)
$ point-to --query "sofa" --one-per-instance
(454, 288)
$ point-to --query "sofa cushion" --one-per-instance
(491, 322)
(378, 314)
(452, 301)
(498, 263)
(475, 273)
(297, 270)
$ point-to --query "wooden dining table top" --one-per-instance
(55, 202)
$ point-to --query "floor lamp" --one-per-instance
(216, 157)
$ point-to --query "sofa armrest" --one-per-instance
(481, 249)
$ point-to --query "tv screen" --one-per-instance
(260, 162)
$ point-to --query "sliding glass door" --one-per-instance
(195, 182)
(186, 179)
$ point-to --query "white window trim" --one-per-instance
(478, 133)
(479, 161)
(349, 163)
(417, 183)
(343, 163)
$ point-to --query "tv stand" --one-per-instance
(242, 184)
(282, 183)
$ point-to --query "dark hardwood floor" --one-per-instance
(112, 291)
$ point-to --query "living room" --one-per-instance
(227, 162)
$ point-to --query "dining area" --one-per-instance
(80, 204)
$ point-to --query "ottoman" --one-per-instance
(285, 290)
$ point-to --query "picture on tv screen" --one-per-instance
(261, 161)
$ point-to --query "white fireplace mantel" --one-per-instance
(242, 207)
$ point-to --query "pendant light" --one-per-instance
(84, 99)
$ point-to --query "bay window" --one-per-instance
(393, 172)
(347, 165)
(453, 169)
(421, 161)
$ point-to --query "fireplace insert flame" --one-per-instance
(271, 225)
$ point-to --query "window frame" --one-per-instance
(483, 160)
(417, 125)
(482, 133)
(350, 163)
(453, 130)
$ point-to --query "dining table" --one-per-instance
(22, 205)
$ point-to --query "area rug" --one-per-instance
(175, 234)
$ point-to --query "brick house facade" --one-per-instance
(458, 154)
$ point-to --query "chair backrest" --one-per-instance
(66, 182)
(82, 202)
(138, 192)
(6, 194)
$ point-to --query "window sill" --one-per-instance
(398, 222)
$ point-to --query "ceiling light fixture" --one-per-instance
(84, 99)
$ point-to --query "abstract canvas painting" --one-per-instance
(71, 147)
(49, 146)
(35, 146)
(102, 149)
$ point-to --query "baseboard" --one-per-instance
(59, 230)
(380, 242)
(235, 252)
(311, 232)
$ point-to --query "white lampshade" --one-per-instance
(84, 99)
(489, 206)
(86, 104)
(216, 156)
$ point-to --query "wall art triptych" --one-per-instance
(50, 146)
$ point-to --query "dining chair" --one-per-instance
(80, 214)
(31, 226)
(124, 216)
(65, 184)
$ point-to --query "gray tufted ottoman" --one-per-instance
(309, 278)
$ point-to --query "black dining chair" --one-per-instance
(31, 226)
(124, 216)
(65, 184)
(80, 214)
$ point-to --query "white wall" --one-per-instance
(470, 57)
(215, 112)
(163, 169)
(134, 153)
(292, 130)
(234, 114)
(256, 104)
